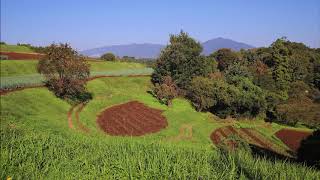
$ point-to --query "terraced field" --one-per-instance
(45, 137)
(19, 74)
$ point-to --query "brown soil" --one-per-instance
(292, 138)
(222, 136)
(22, 56)
(131, 119)
(81, 127)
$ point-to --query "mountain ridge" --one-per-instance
(152, 50)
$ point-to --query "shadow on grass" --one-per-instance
(308, 152)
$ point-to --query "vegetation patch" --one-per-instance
(131, 119)
(225, 136)
(292, 138)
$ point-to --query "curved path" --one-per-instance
(79, 126)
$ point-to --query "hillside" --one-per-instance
(38, 129)
(15, 48)
(153, 50)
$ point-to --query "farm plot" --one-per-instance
(224, 135)
(21, 56)
(292, 138)
(131, 119)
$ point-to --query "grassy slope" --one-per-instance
(36, 142)
(19, 68)
(15, 48)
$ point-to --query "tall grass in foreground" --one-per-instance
(39, 155)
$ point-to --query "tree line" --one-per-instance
(279, 83)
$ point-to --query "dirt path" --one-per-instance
(80, 126)
(69, 115)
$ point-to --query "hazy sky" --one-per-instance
(94, 23)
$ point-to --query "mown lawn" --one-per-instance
(36, 142)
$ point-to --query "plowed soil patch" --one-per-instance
(222, 136)
(22, 56)
(292, 138)
(131, 119)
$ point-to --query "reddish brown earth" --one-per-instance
(22, 56)
(292, 138)
(131, 119)
(222, 136)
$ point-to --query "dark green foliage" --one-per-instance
(237, 70)
(279, 82)
(281, 72)
(251, 100)
(315, 71)
(239, 98)
(201, 93)
(299, 108)
(309, 150)
(108, 57)
(65, 71)
(3, 43)
(182, 60)
(225, 58)
(166, 91)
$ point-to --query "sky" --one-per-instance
(89, 24)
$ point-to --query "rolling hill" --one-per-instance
(148, 50)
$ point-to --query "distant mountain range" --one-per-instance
(148, 50)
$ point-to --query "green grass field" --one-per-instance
(28, 67)
(18, 73)
(15, 48)
(36, 142)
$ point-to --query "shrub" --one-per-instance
(299, 108)
(166, 91)
(182, 60)
(108, 57)
(201, 93)
(65, 71)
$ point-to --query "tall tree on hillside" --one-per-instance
(65, 71)
(225, 58)
(182, 60)
(281, 64)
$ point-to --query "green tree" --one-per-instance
(65, 71)
(182, 60)
(280, 71)
(225, 58)
(166, 91)
(201, 93)
(108, 57)
(236, 70)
